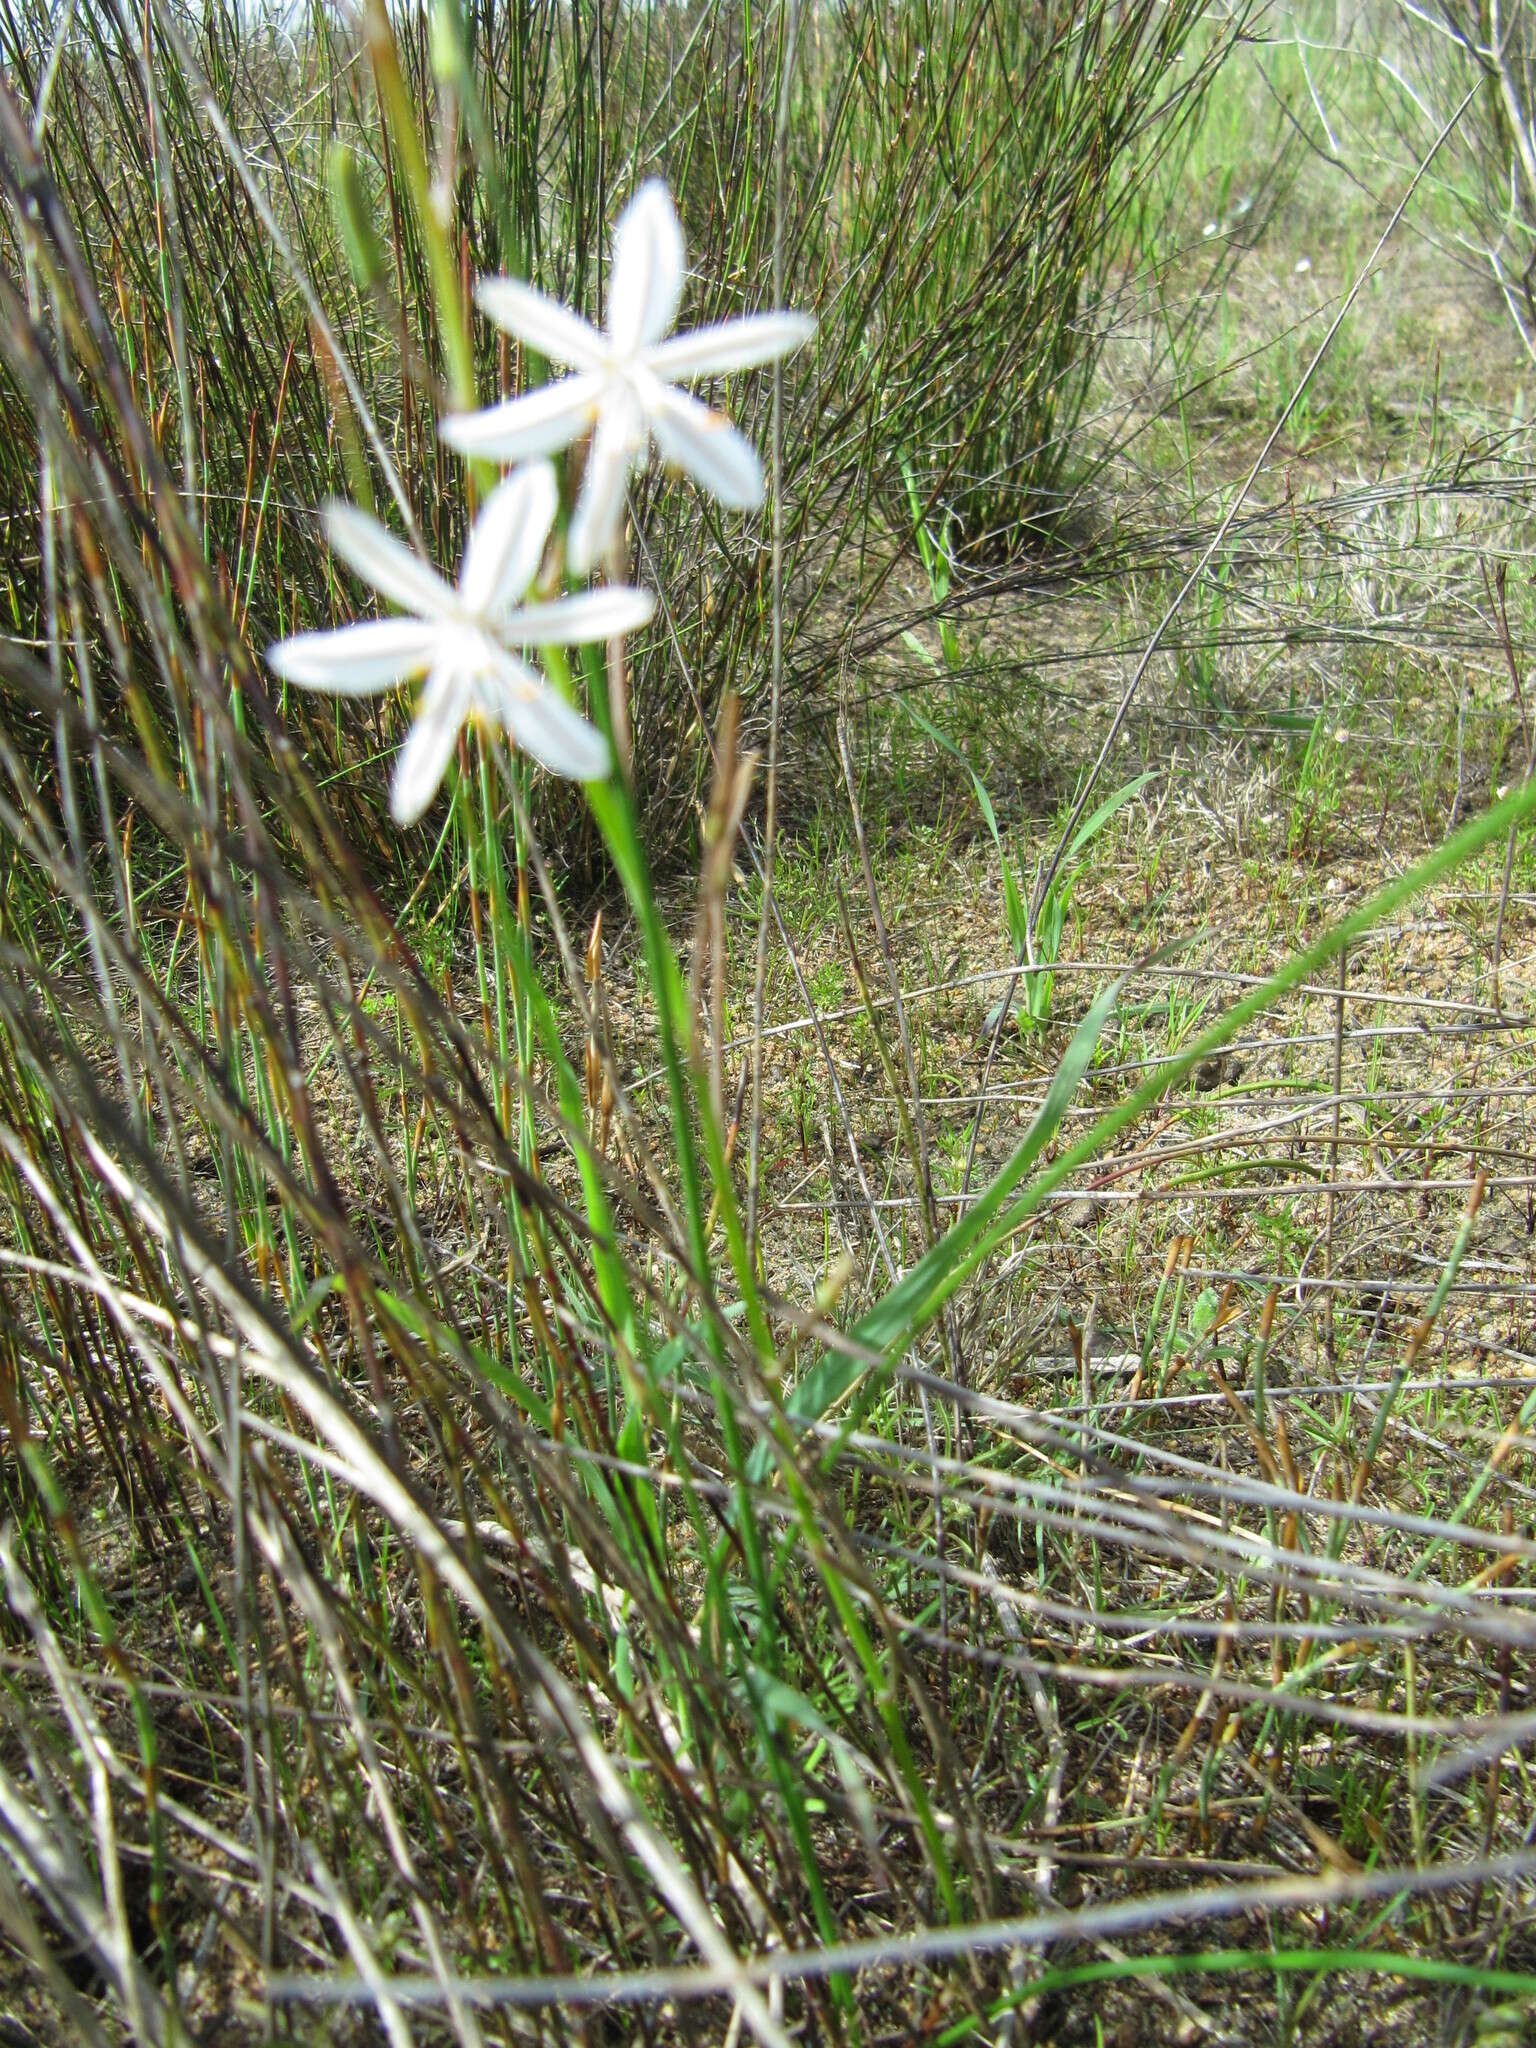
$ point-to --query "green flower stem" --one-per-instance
(613, 807)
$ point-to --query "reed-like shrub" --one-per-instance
(955, 182)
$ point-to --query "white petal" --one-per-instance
(617, 445)
(539, 423)
(603, 614)
(395, 571)
(357, 660)
(502, 554)
(731, 345)
(546, 727)
(428, 748)
(546, 325)
(708, 447)
(645, 278)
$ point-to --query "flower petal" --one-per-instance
(429, 746)
(548, 728)
(645, 278)
(617, 445)
(356, 660)
(554, 330)
(708, 447)
(539, 423)
(501, 557)
(395, 571)
(602, 614)
(731, 345)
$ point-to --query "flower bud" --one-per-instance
(450, 60)
(595, 952)
(349, 204)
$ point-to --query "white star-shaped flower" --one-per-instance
(464, 639)
(623, 382)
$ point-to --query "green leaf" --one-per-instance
(1092, 826)
(1203, 1313)
(1260, 1962)
(1013, 900)
(953, 1261)
(920, 650)
(1013, 906)
(889, 1325)
(781, 1705)
(905, 1309)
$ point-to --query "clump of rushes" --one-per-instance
(956, 184)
